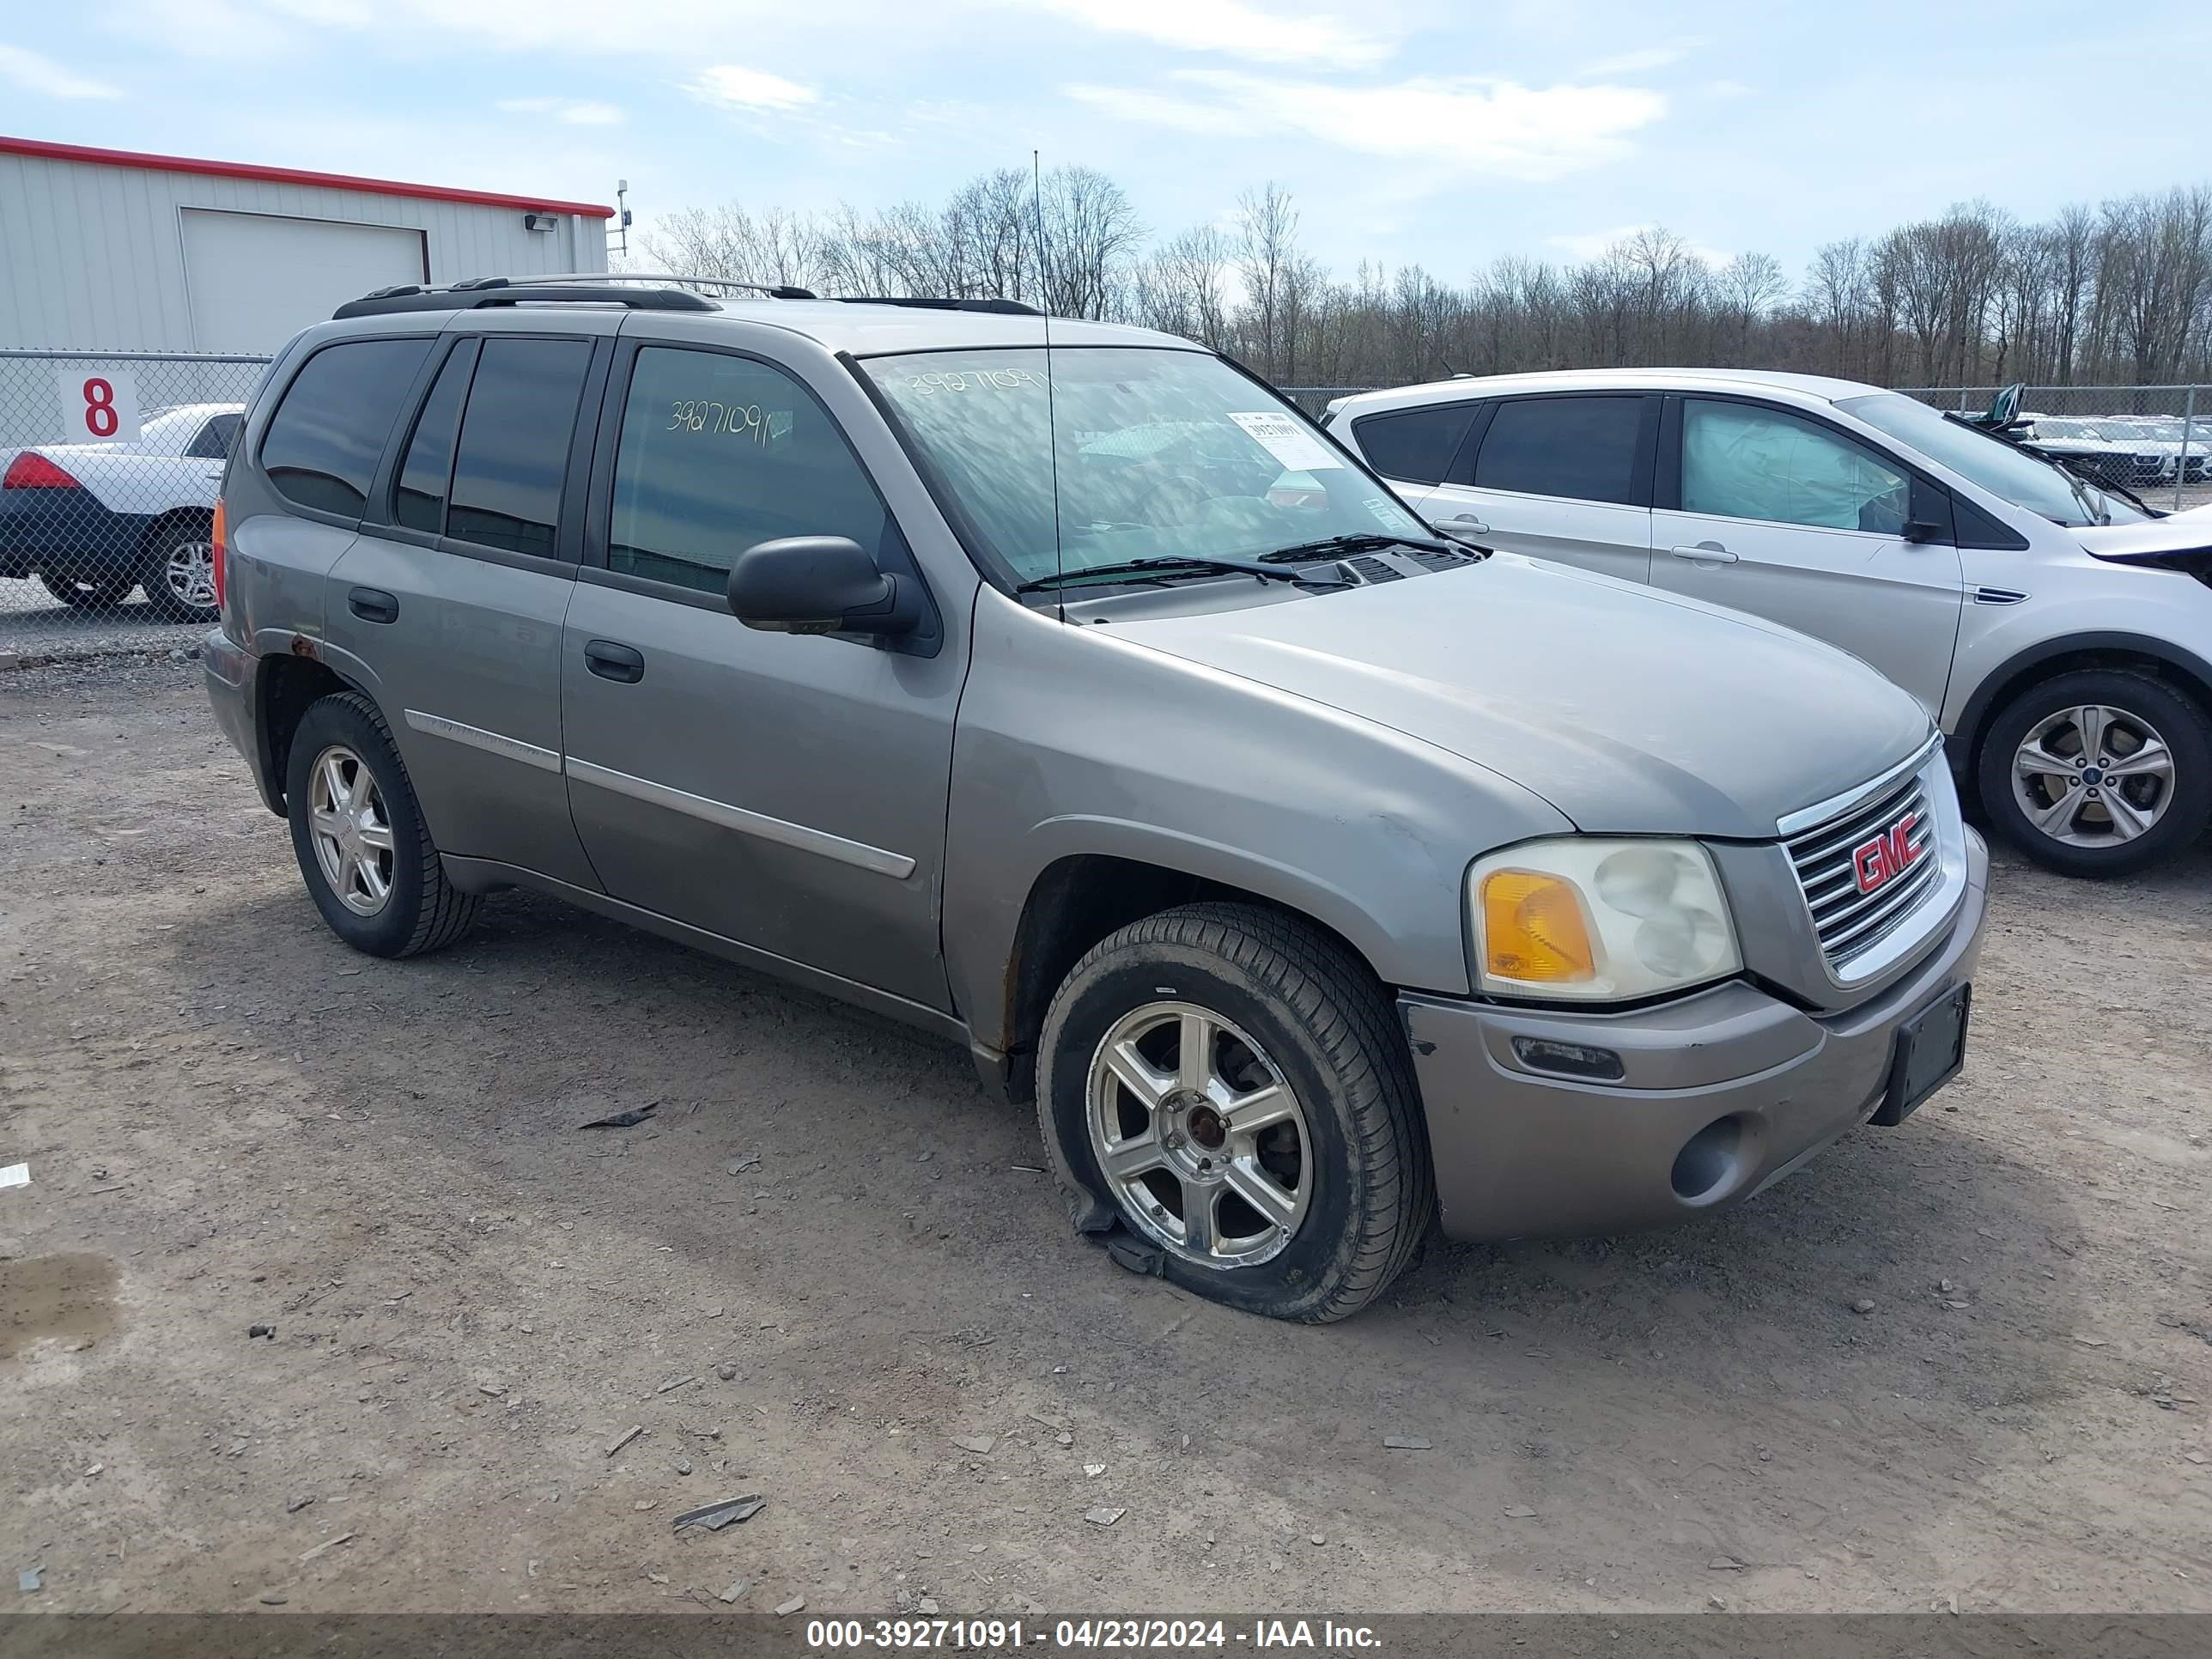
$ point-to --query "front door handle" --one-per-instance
(374, 605)
(1469, 522)
(1706, 553)
(610, 661)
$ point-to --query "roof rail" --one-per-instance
(774, 291)
(486, 291)
(997, 307)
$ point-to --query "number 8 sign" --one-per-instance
(99, 405)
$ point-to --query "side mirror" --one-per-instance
(819, 584)
(1920, 531)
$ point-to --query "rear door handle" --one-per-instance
(374, 605)
(1469, 522)
(610, 661)
(1706, 553)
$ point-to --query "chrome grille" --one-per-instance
(1847, 920)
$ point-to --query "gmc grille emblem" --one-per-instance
(1889, 854)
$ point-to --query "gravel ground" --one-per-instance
(827, 1272)
(33, 623)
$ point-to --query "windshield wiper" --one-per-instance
(1357, 542)
(2083, 490)
(1175, 569)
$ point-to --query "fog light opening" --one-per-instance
(1709, 1162)
(1567, 1059)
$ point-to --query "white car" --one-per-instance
(2062, 637)
(92, 521)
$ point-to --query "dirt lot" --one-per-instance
(827, 1261)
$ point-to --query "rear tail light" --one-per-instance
(31, 471)
(218, 539)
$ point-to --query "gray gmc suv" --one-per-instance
(1058, 688)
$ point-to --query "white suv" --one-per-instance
(2061, 636)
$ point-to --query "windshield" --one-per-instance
(1162, 454)
(2002, 469)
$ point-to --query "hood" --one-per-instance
(2177, 533)
(1631, 711)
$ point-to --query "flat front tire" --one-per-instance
(358, 834)
(1230, 1082)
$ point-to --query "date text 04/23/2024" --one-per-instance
(1216, 1635)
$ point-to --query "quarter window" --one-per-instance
(513, 458)
(1415, 445)
(325, 438)
(1746, 461)
(1584, 449)
(719, 453)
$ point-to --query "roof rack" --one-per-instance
(997, 307)
(606, 288)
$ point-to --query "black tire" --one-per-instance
(424, 911)
(2174, 717)
(168, 540)
(1328, 1028)
(82, 593)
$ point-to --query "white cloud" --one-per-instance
(1230, 26)
(730, 86)
(1594, 243)
(1464, 125)
(40, 75)
(576, 111)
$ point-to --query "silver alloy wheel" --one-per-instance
(351, 831)
(1199, 1136)
(188, 572)
(2092, 775)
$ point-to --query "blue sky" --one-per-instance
(1408, 131)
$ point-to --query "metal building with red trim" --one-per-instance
(116, 250)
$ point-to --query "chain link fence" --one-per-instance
(2153, 441)
(109, 466)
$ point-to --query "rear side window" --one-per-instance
(513, 458)
(428, 468)
(325, 438)
(719, 452)
(1582, 448)
(213, 442)
(1415, 445)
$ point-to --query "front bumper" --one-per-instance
(1520, 1153)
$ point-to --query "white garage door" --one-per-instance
(257, 279)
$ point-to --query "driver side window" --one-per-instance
(1747, 461)
(718, 452)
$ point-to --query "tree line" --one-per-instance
(2119, 293)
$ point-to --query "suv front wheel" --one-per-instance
(358, 834)
(2099, 772)
(1231, 1084)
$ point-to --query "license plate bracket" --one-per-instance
(1931, 1047)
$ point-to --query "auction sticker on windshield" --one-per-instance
(1298, 449)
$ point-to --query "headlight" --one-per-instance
(1594, 920)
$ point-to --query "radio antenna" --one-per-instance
(1051, 424)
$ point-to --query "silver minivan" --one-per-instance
(1058, 688)
(2060, 633)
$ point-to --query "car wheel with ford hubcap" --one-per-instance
(2099, 772)
(1230, 1083)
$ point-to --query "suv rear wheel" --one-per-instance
(2099, 772)
(358, 835)
(1232, 1084)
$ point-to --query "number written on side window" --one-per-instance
(688, 498)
